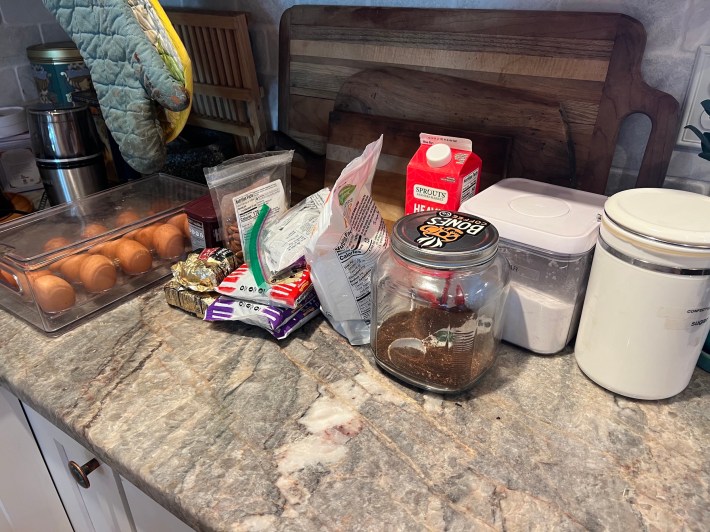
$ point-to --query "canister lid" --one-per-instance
(669, 216)
(54, 51)
(549, 217)
(444, 239)
(57, 109)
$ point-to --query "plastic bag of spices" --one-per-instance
(240, 186)
(342, 252)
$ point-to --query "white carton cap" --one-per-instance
(549, 217)
(438, 155)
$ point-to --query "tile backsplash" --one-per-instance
(675, 29)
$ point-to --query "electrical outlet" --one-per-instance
(699, 90)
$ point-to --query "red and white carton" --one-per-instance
(443, 173)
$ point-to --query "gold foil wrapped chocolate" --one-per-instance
(193, 302)
(203, 270)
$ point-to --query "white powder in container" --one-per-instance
(536, 320)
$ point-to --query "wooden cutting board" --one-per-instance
(588, 62)
(351, 132)
(542, 147)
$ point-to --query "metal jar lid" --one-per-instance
(54, 52)
(444, 239)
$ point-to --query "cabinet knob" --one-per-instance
(81, 473)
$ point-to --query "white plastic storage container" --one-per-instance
(647, 309)
(547, 233)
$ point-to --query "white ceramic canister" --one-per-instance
(647, 307)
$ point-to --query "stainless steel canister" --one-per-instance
(68, 150)
(66, 181)
(63, 131)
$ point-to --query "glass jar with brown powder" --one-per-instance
(438, 296)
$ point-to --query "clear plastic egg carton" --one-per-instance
(61, 265)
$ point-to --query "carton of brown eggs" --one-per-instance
(61, 265)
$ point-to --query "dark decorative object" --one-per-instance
(704, 136)
(195, 149)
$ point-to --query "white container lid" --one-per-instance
(670, 216)
(558, 219)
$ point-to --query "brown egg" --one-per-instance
(8, 279)
(93, 229)
(108, 249)
(180, 221)
(145, 236)
(55, 266)
(127, 217)
(13, 277)
(168, 241)
(56, 243)
(71, 267)
(52, 293)
(97, 273)
(38, 273)
(97, 249)
(133, 257)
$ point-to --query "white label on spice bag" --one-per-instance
(247, 206)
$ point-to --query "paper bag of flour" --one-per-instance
(348, 239)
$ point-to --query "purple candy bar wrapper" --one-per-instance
(279, 321)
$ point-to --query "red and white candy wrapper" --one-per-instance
(278, 321)
(288, 292)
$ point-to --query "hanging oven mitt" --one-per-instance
(140, 69)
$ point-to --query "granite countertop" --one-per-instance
(229, 429)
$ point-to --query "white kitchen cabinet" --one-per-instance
(28, 498)
(148, 515)
(110, 503)
(101, 507)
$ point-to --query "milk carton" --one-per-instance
(443, 173)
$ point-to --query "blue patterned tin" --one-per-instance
(58, 70)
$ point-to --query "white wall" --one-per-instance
(675, 29)
(24, 23)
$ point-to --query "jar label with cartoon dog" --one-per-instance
(445, 231)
